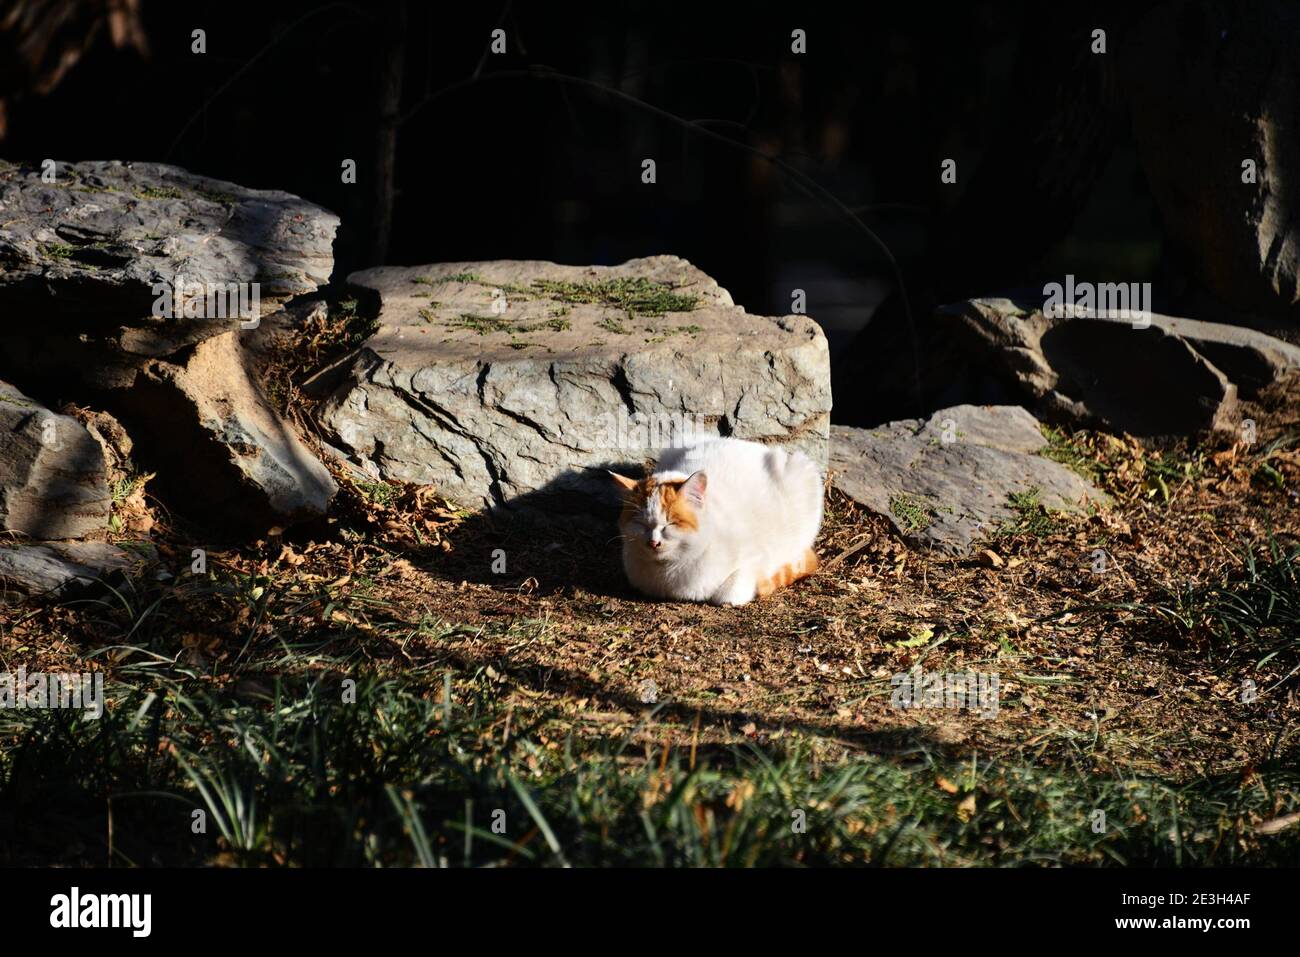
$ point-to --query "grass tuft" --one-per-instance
(57, 250)
(637, 296)
(1063, 448)
(1031, 517)
(912, 512)
(413, 771)
(1252, 609)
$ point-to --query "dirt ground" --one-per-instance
(404, 580)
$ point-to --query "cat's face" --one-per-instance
(661, 519)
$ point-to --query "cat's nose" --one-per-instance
(656, 543)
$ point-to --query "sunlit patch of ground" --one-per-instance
(1145, 669)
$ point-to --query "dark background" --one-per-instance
(483, 165)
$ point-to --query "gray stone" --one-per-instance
(237, 460)
(58, 569)
(90, 248)
(945, 482)
(1176, 377)
(83, 261)
(510, 406)
(53, 478)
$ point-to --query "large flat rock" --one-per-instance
(946, 481)
(90, 247)
(1170, 377)
(53, 476)
(500, 381)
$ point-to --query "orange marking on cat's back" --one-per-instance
(788, 574)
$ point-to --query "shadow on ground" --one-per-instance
(562, 535)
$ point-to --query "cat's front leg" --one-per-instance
(738, 589)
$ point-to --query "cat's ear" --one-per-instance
(693, 488)
(624, 482)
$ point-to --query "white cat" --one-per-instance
(721, 521)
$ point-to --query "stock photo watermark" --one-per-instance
(75, 909)
(635, 431)
(955, 690)
(38, 690)
(184, 299)
(1130, 301)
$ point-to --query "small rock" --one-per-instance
(241, 463)
(945, 482)
(58, 569)
(53, 478)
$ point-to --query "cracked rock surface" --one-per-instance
(89, 250)
(89, 247)
(504, 382)
(947, 481)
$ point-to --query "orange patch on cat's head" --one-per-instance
(678, 509)
(679, 505)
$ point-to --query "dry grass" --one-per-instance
(1090, 685)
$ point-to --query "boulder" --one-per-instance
(92, 264)
(1173, 377)
(503, 382)
(58, 569)
(946, 482)
(240, 464)
(53, 477)
(89, 252)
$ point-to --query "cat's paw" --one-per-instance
(735, 591)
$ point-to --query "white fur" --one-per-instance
(762, 508)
